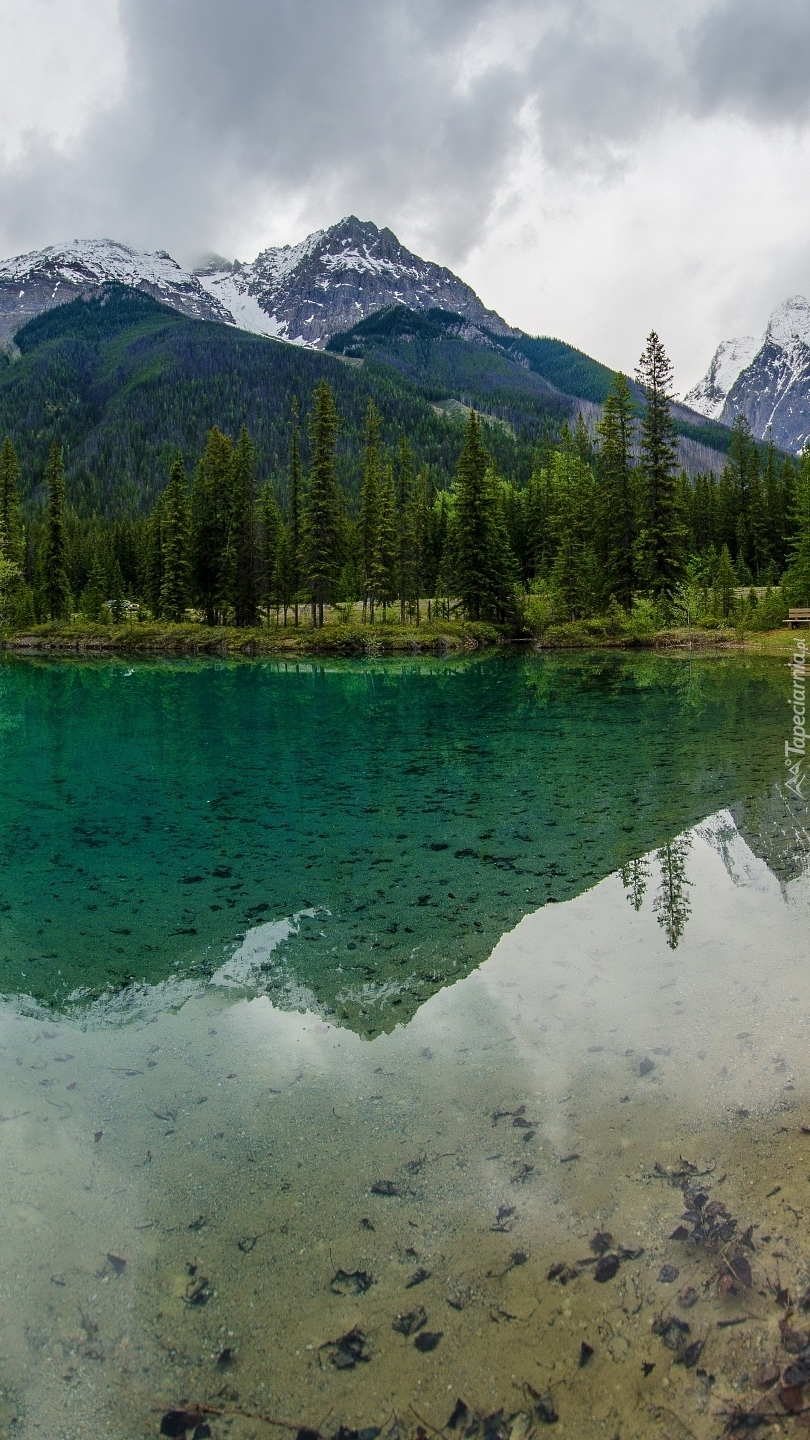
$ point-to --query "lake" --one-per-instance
(390, 1042)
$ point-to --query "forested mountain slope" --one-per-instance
(123, 383)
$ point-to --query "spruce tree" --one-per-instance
(175, 581)
(323, 511)
(284, 580)
(406, 527)
(54, 558)
(796, 583)
(574, 572)
(153, 564)
(12, 548)
(295, 506)
(368, 523)
(483, 564)
(383, 574)
(662, 534)
(616, 498)
(211, 518)
(724, 586)
(247, 586)
(271, 528)
(94, 595)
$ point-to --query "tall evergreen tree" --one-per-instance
(323, 502)
(176, 578)
(662, 534)
(796, 583)
(211, 506)
(285, 574)
(271, 528)
(368, 523)
(483, 565)
(247, 586)
(406, 528)
(574, 572)
(54, 558)
(383, 574)
(616, 498)
(153, 568)
(11, 523)
(295, 507)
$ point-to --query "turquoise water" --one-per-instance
(355, 834)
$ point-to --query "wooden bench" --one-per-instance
(797, 617)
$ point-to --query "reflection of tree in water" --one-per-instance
(634, 879)
(671, 904)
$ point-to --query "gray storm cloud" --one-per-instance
(235, 125)
(379, 105)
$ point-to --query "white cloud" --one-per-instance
(594, 167)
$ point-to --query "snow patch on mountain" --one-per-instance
(730, 358)
(766, 380)
(308, 292)
(58, 274)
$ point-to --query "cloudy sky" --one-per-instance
(593, 167)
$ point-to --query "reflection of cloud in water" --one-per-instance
(592, 987)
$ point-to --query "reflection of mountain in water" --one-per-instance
(408, 813)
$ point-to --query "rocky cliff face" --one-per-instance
(333, 279)
(767, 380)
(304, 293)
(32, 283)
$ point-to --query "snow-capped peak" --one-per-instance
(42, 279)
(790, 323)
(730, 359)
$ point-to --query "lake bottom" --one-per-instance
(572, 1191)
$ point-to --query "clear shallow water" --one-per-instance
(188, 1167)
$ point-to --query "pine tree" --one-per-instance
(117, 594)
(323, 503)
(247, 586)
(420, 539)
(54, 559)
(211, 504)
(724, 586)
(616, 499)
(538, 509)
(284, 575)
(483, 564)
(154, 558)
(662, 534)
(271, 528)
(574, 572)
(12, 548)
(383, 574)
(742, 478)
(368, 524)
(796, 583)
(296, 510)
(176, 578)
(406, 523)
(94, 595)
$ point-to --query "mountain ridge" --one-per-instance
(767, 379)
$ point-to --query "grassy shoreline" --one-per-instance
(155, 638)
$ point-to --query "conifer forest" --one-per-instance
(606, 525)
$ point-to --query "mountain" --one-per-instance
(123, 383)
(310, 291)
(767, 380)
(30, 284)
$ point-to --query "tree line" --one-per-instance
(607, 524)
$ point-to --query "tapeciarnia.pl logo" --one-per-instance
(796, 747)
